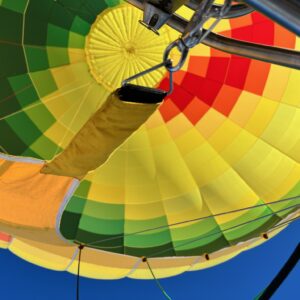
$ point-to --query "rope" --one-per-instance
(225, 230)
(275, 283)
(283, 224)
(224, 10)
(195, 219)
(282, 275)
(78, 272)
(156, 280)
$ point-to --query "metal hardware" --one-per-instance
(183, 49)
(286, 13)
(235, 11)
(274, 55)
(193, 33)
(158, 12)
(166, 63)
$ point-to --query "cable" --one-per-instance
(78, 273)
(282, 275)
(155, 254)
(145, 259)
(283, 224)
(156, 280)
(195, 219)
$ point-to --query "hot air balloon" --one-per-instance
(213, 172)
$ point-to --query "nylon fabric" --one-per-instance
(24, 204)
(105, 131)
(227, 138)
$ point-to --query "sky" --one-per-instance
(241, 278)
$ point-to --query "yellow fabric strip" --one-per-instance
(107, 129)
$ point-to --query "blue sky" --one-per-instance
(240, 278)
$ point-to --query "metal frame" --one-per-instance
(236, 10)
(286, 13)
(274, 55)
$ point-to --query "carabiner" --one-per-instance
(183, 49)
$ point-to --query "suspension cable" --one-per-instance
(282, 275)
(80, 247)
(196, 219)
(155, 254)
(144, 259)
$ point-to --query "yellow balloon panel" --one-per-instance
(226, 139)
